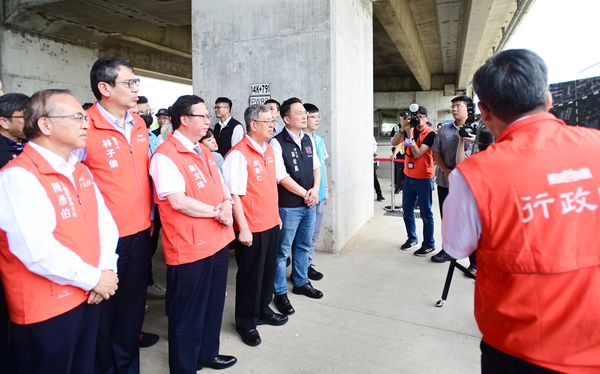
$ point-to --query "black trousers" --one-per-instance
(7, 354)
(442, 194)
(398, 173)
(255, 277)
(376, 181)
(195, 299)
(63, 344)
(494, 361)
(122, 316)
(154, 241)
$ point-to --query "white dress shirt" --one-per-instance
(235, 168)
(166, 175)
(280, 172)
(238, 131)
(461, 225)
(29, 220)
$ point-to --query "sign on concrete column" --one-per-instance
(259, 93)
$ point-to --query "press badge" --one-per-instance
(410, 165)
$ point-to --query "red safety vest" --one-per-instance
(423, 166)
(30, 297)
(260, 202)
(187, 239)
(538, 273)
(120, 170)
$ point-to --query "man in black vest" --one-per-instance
(298, 173)
(228, 131)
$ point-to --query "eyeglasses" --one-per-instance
(205, 117)
(14, 117)
(314, 116)
(131, 82)
(146, 112)
(456, 106)
(76, 116)
(263, 120)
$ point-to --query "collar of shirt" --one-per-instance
(257, 146)
(296, 139)
(129, 121)
(64, 167)
(185, 141)
(225, 123)
(11, 143)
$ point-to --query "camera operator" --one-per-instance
(418, 179)
(444, 155)
(532, 215)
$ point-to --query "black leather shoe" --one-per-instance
(380, 198)
(442, 256)
(283, 304)
(314, 274)
(274, 319)
(408, 244)
(148, 339)
(308, 290)
(249, 337)
(423, 251)
(218, 363)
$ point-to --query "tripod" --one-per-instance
(453, 264)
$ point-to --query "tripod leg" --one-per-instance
(449, 275)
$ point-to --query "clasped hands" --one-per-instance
(105, 288)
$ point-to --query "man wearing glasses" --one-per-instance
(195, 206)
(228, 131)
(117, 155)
(418, 182)
(58, 256)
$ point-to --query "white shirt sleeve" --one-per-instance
(316, 161)
(109, 235)
(235, 172)
(280, 172)
(166, 176)
(29, 220)
(238, 134)
(461, 225)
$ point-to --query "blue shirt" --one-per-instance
(323, 155)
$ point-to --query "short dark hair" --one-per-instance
(311, 108)
(12, 102)
(251, 113)
(106, 70)
(209, 134)
(142, 100)
(511, 83)
(273, 101)
(404, 114)
(87, 106)
(464, 98)
(183, 106)
(224, 100)
(422, 110)
(287, 105)
(37, 107)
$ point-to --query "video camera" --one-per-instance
(468, 130)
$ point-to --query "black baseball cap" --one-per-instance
(404, 114)
(163, 112)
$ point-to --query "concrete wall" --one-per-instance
(438, 105)
(29, 63)
(317, 50)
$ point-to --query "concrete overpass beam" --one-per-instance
(397, 19)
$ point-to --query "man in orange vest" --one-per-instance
(195, 206)
(532, 215)
(117, 155)
(58, 240)
(249, 171)
(418, 181)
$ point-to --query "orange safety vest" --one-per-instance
(423, 166)
(30, 297)
(260, 202)
(120, 170)
(187, 239)
(538, 273)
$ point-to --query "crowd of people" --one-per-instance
(84, 194)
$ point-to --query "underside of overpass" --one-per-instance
(417, 44)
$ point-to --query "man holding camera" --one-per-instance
(418, 138)
(444, 155)
(532, 215)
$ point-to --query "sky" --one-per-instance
(565, 34)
